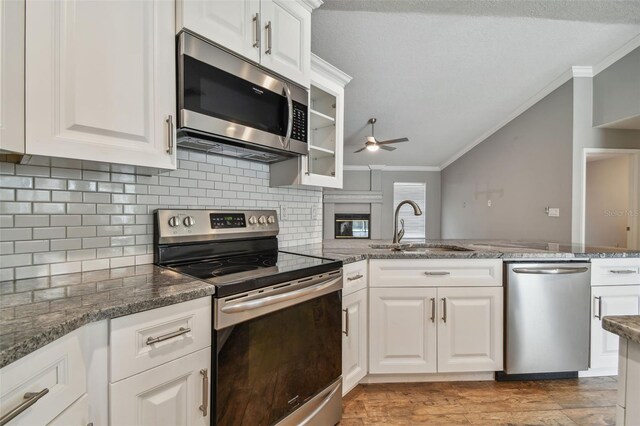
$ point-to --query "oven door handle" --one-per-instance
(278, 298)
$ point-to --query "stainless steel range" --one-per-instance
(277, 316)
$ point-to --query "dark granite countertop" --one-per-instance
(625, 326)
(354, 250)
(37, 311)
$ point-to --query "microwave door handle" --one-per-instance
(287, 138)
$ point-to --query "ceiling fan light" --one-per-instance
(373, 147)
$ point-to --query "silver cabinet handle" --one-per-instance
(268, 28)
(552, 271)
(171, 141)
(205, 392)
(256, 26)
(444, 309)
(599, 315)
(30, 398)
(346, 322)
(437, 273)
(357, 277)
(433, 309)
(623, 271)
(178, 332)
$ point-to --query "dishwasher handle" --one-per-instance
(551, 270)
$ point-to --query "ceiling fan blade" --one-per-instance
(393, 141)
(360, 150)
(387, 148)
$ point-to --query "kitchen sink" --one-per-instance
(420, 248)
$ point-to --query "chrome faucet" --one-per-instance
(397, 235)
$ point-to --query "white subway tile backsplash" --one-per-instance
(94, 215)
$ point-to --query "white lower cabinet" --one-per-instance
(403, 330)
(354, 339)
(470, 329)
(429, 330)
(175, 393)
(610, 300)
(76, 415)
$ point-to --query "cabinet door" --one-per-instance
(470, 329)
(354, 339)
(403, 337)
(614, 300)
(76, 415)
(100, 81)
(171, 394)
(233, 24)
(12, 75)
(286, 44)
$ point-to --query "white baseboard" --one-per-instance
(599, 372)
(435, 377)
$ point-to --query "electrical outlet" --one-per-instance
(314, 212)
(489, 203)
(284, 214)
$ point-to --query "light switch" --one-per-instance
(554, 212)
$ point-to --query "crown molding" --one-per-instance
(386, 168)
(326, 68)
(312, 4)
(627, 48)
(559, 81)
(581, 71)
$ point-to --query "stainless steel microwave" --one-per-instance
(230, 106)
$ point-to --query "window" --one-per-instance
(414, 226)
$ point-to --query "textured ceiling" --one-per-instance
(445, 72)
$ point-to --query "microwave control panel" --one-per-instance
(299, 129)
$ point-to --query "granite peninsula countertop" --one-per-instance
(351, 250)
(625, 326)
(37, 311)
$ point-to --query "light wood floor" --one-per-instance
(588, 401)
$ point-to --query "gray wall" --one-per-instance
(607, 202)
(522, 168)
(616, 90)
(62, 216)
(587, 136)
(361, 181)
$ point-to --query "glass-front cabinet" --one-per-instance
(323, 165)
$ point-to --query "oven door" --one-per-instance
(269, 365)
(222, 95)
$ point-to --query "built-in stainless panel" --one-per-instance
(547, 317)
(325, 409)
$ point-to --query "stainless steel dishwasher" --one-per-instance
(546, 319)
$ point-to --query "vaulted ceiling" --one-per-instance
(443, 73)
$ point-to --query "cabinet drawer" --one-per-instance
(434, 273)
(147, 339)
(615, 271)
(59, 367)
(76, 415)
(355, 277)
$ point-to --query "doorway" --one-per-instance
(612, 182)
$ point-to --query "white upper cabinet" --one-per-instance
(232, 24)
(12, 75)
(273, 33)
(100, 81)
(286, 48)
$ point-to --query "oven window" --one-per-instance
(270, 365)
(216, 93)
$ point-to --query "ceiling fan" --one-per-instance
(372, 144)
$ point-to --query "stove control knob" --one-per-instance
(271, 219)
(262, 220)
(174, 221)
(253, 220)
(189, 221)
